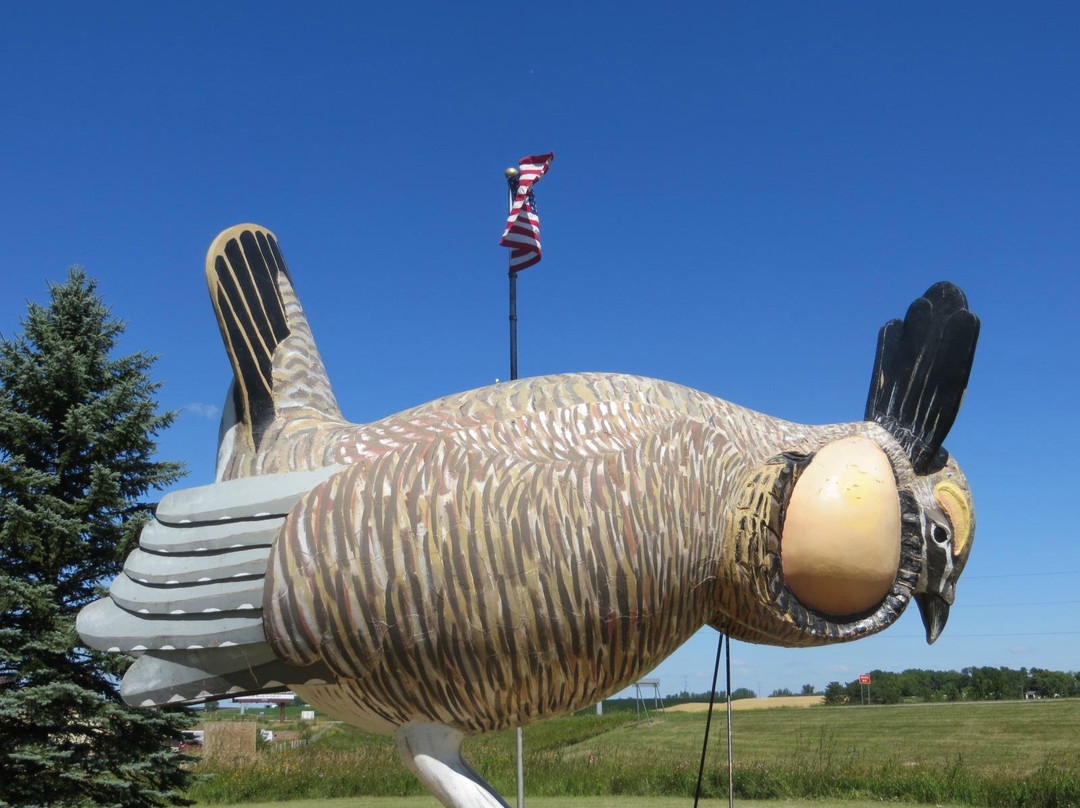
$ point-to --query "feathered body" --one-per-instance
(523, 550)
(512, 552)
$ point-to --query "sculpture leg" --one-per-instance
(433, 753)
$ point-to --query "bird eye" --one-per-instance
(940, 534)
(957, 506)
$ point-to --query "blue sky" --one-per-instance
(742, 194)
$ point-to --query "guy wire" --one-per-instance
(708, 717)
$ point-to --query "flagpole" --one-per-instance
(512, 184)
(512, 175)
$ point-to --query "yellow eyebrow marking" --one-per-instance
(953, 501)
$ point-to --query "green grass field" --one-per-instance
(563, 802)
(983, 737)
(996, 753)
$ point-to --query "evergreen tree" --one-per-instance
(77, 441)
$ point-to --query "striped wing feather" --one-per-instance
(190, 598)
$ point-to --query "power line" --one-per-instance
(1022, 574)
(1001, 634)
(1024, 603)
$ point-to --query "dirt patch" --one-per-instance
(753, 704)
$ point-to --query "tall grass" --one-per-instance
(982, 755)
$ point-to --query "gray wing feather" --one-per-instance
(107, 627)
(204, 598)
(165, 677)
(189, 602)
(151, 568)
(245, 498)
(209, 538)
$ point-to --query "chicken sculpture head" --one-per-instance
(523, 550)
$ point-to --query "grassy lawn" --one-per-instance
(983, 737)
(565, 802)
(1014, 754)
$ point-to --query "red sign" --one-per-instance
(864, 678)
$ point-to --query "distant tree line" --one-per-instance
(968, 684)
(686, 697)
(912, 685)
(631, 704)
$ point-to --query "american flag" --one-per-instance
(522, 234)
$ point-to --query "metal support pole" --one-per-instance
(512, 186)
(520, 770)
(513, 325)
(730, 753)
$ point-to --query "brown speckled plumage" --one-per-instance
(523, 550)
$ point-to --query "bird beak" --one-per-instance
(934, 611)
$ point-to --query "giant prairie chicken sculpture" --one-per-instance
(526, 549)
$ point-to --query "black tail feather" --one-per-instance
(242, 270)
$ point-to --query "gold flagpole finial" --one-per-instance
(512, 173)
